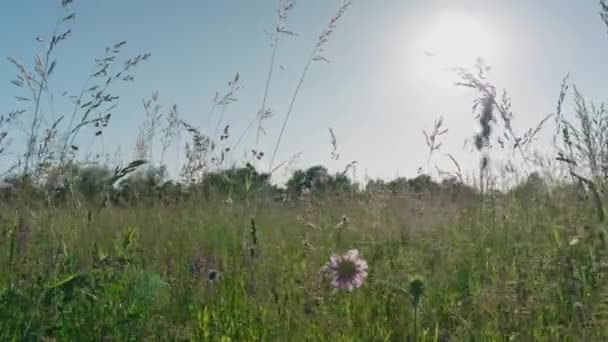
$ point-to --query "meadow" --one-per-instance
(118, 251)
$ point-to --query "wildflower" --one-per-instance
(213, 275)
(416, 290)
(344, 221)
(574, 241)
(348, 271)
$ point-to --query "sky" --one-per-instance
(390, 72)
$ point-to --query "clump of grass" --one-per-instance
(491, 110)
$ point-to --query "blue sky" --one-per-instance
(378, 92)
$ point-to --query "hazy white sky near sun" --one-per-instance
(379, 91)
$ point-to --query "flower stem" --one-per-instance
(416, 323)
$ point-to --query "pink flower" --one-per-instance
(348, 271)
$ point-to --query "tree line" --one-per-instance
(94, 182)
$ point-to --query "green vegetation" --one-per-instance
(508, 266)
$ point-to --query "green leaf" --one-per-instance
(68, 286)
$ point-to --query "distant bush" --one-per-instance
(317, 179)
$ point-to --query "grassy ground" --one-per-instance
(504, 268)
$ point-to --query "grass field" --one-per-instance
(503, 268)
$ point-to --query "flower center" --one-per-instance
(347, 269)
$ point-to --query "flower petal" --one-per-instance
(352, 254)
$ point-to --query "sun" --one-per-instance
(458, 37)
(454, 39)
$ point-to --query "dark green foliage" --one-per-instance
(236, 183)
(533, 186)
(316, 179)
(92, 181)
(111, 298)
(423, 184)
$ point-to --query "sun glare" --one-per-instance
(453, 40)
